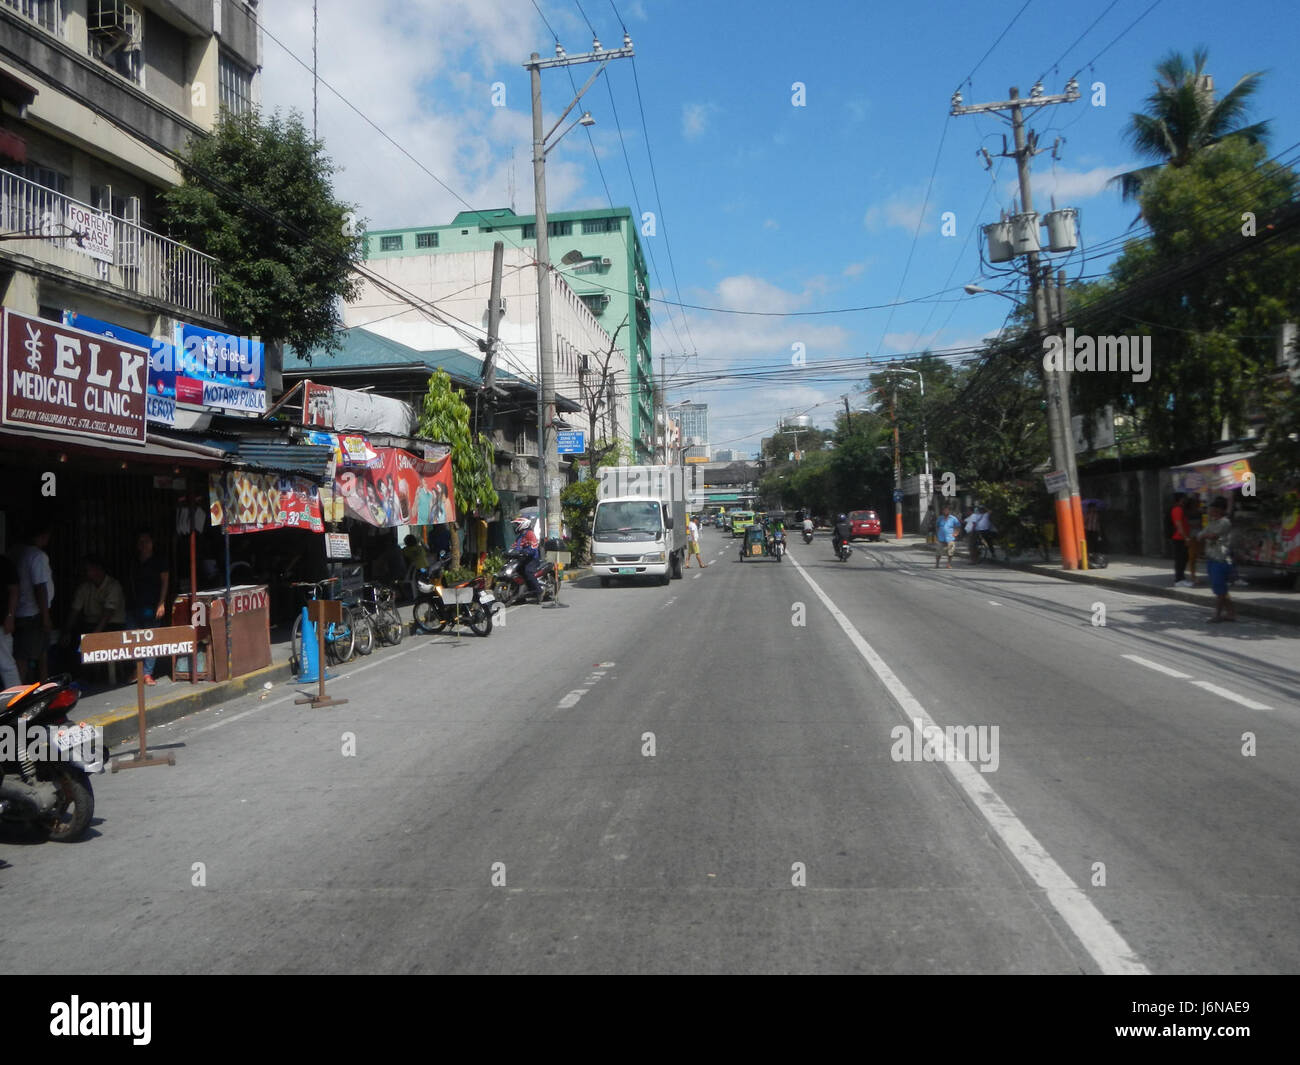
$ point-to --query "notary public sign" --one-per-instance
(61, 379)
(133, 644)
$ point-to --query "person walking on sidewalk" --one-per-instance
(693, 544)
(148, 590)
(1217, 537)
(1178, 520)
(32, 622)
(946, 532)
(1192, 517)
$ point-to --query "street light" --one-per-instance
(548, 488)
(928, 493)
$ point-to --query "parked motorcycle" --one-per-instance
(512, 587)
(45, 760)
(436, 608)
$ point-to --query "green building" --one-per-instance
(605, 267)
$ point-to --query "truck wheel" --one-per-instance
(675, 566)
(604, 582)
(663, 578)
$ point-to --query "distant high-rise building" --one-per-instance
(693, 419)
(726, 454)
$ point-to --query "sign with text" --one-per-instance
(220, 370)
(1056, 482)
(404, 490)
(134, 644)
(59, 378)
(160, 399)
(93, 230)
(570, 442)
(338, 545)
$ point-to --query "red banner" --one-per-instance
(403, 490)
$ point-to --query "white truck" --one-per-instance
(639, 528)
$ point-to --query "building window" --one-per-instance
(555, 229)
(390, 243)
(45, 13)
(599, 225)
(426, 240)
(236, 86)
(116, 32)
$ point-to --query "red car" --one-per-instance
(866, 525)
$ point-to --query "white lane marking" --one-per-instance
(1106, 946)
(571, 699)
(994, 602)
(696, 577)
(1248, 703)
(1157, 667)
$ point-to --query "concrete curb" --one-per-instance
(121, 725)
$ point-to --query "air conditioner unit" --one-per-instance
(603, 300)
(606, 262)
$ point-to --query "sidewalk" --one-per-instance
(1271, 600)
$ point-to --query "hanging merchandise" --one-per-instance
(254, 502)
(191, 515)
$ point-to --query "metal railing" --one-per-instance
(143, 262)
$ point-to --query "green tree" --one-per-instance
(258, 196)
(445, 417)
(1183, 118)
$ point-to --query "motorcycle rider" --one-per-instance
(526, 543)
(843, 533)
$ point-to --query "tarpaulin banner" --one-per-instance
(404, 489)
(160, 400)
(254, 502)
(350, 449)
(220, 370)
(1212, 475)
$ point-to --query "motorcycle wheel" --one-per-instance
(71, 818)
(550, 587)
(506, 592)
(425, 616)
(479, 620)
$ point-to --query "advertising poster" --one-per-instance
(403, 489)
(254, 502)
(160, 400)
(220, 370)
(66, 380)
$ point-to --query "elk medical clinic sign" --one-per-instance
(61, 379)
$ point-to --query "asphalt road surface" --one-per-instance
(739, 772)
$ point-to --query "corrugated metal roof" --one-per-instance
(308, 460)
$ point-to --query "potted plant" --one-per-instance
(456, 586)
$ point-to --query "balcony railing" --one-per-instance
(115, 251)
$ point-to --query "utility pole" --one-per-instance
(548, 461)
(848, 416)
(1059, 431)
(489, 345)
(898, 469)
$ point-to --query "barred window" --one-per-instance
(236, 86)
(45, 13)
(554, 229)
(426, 240)
(116, 37)
(599, 225)
(390, 243)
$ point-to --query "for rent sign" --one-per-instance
(61, 379)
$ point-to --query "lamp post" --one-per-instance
(548, 489)
(927, 492)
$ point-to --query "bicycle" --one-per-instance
(378, 603)
(353, 633)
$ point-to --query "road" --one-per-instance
(728, 774)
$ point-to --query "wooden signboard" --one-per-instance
(135, 645)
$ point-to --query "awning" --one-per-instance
(158, 450)
(16, 91)
(12, 146)
(1218, 474)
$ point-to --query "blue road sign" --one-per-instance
(570, 442)
(898, 495)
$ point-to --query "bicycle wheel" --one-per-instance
(340, 638)
(389, 624)
(364, 632)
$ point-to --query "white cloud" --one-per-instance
(901, 211)
(771, 223)
(1068, 186)
(695, 119)
(855, 269)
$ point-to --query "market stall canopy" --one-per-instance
(1218, 474)
(348, 410)
(157, 450)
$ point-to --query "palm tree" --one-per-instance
(1183, 118)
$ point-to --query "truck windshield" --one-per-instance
(628, 517)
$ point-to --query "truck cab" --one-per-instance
(639, 526)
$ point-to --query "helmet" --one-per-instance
(843, 517)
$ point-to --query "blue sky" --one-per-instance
(768, 206)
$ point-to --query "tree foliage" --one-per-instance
(446, 417)
(258, 196)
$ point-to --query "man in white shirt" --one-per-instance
(33, 625)
(693, 544)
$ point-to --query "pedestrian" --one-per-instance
(972, 537)
(1178, 523)
(148, 581)
(946, 530)
(1195, 521)
(693, 544)
(9, 676)
(1217, 537)
(99, 604)
(32, 623)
